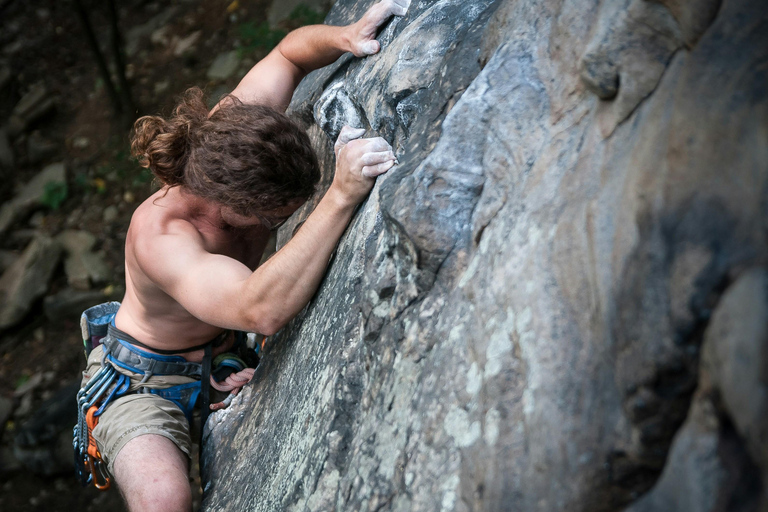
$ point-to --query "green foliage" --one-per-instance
(303, 15)
(54, 194)
(144, 176)
(262, 37)
(259, 36)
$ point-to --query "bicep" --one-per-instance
(271, 82)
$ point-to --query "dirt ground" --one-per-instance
(43, 42)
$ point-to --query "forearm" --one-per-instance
(315, 46)
(285, 283)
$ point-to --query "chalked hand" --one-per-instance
(363, 33)
(359, 161)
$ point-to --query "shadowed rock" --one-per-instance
(27, 279)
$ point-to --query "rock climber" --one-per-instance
(229, 177)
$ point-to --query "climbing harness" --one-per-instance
(107, 384)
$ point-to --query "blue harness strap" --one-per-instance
(123, 351)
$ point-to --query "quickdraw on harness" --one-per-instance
(107, 384)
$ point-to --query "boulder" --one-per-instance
(6, 259)
(140, 33)
(515, 317)
(35, 104)
(27, 279)
(82, 266)
(43, 444)
(223, 66)
(30, 196)
(68, 304)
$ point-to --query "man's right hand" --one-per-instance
(358, 162)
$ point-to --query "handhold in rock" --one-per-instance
(600, 76)
(627, 57)
(336, 109)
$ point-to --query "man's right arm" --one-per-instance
(222, 291)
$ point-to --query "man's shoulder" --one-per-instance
(157, 220)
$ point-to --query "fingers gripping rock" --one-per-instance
(345, 136)
(377, 158)
(371, 171)
(371, 47)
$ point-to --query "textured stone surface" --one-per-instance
(44, 442)
(27, 279)
(719, 456)
(82, 265)
(30, 194)
(514, 318)
(223, 66)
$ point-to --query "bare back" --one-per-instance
(148, 312)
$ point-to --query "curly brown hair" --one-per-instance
(251, 158)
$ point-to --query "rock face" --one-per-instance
(557, 300)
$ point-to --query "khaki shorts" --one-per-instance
(135, 415)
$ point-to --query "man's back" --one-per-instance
(150, 314)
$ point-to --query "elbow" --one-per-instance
(268, 328)
(264, 322)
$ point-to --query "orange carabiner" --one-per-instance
(94, 462)
(100, 480)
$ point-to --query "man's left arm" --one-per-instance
(273, 79)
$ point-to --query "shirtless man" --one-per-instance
(192, 249)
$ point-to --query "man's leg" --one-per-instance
(152, 474)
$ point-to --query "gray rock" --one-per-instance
(44, 442)
(35, 104)
(110, 213)
(82, 266)
(30, 195)
(7, 258)
(39, 148)
(29, 102)
(186, 44)
(719, 455)
(27, 279)
(223, 66)
(6, 152)
(29, 386)
(735, 358)
(513, 319)
(68, 304)
(136, 35)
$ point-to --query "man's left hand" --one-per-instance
(363, 33)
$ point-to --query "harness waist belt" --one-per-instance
(124, 354)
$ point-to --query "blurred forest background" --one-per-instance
(74, 75)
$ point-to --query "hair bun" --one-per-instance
(162, 145)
